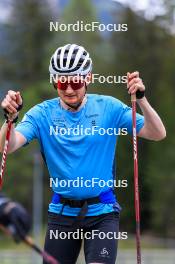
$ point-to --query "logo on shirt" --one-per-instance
(104, 253)
(93, 123)
(90, 116)
(59, 122)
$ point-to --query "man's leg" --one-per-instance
(102, 247)
(60, 244)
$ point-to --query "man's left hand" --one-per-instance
(134, 83)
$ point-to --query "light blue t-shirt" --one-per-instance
(79, 147)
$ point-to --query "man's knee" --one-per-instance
(95, 263)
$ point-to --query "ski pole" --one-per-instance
(29, 241)
(4, 154)
(136, 182)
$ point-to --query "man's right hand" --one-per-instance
(12, 103)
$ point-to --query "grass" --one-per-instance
(146, 242)
(12, 253)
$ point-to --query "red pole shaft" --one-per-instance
(47, 257)
(4, 154)
(136, 182)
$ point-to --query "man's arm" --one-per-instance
(17, 140)
(153, 128)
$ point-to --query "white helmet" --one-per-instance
(70, 59)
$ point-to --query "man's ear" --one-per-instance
(54, 85)
(88, 78)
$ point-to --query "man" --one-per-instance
(14, 218)
(86, 156)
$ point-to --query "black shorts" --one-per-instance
(100, 235)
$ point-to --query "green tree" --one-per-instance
(30, 37)
(147, 47)
(27, 67)
(83, 12)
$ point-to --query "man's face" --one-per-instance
(71, 89)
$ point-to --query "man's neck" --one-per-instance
(66, 107)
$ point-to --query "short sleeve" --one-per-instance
(123, 117)
(28, 126)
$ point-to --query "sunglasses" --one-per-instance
(75, 85)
